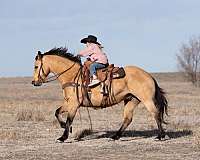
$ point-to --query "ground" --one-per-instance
(29, 128)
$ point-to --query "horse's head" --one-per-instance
(40, 70)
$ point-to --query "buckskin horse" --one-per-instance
(137, 86)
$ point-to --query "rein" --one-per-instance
(68, 84)
(54, 77)
(74, 84)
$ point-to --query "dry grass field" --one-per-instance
(28, 128)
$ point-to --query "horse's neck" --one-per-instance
(58, 65)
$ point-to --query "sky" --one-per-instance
(144, 33)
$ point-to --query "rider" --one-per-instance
(95, 53)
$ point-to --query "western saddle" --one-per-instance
(105, 75)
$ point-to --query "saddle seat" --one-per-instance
(108, 73)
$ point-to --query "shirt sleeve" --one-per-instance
(87, 51)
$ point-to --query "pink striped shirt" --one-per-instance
(95, 53)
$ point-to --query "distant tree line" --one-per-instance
(188, 59)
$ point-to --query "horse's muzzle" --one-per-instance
(36, 83)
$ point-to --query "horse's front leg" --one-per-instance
(71, 112)
(66, 131)
(58, 115)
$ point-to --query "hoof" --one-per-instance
(158, 138)
(115, 137)
(60, 140)
(162, 138)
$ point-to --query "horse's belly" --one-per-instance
(118, 91)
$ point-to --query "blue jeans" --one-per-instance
(94, 66)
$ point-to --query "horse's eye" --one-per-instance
(36, 67)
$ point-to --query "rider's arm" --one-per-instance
(86, 52)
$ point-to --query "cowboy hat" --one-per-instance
(90, 39)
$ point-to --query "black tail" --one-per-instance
(160, 101)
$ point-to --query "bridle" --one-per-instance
(39, 74)
(74, 84)
(51, 78)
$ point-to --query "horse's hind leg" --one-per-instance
(128, 114)
(156, 114)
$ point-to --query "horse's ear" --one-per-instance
(39, 56)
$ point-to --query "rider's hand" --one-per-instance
(88, 58)
(78, 56)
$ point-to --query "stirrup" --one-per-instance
(94, 82)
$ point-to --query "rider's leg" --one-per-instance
(93, 68)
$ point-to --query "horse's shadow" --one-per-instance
(137, 134)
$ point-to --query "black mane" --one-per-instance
(63, 53)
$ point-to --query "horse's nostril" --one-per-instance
(33, 82)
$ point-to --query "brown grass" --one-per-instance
(8, 134)
(82, 133)
(28, 114)
(196, 135)
(55, 123)
(29, 128)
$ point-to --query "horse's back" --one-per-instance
(137, 73)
